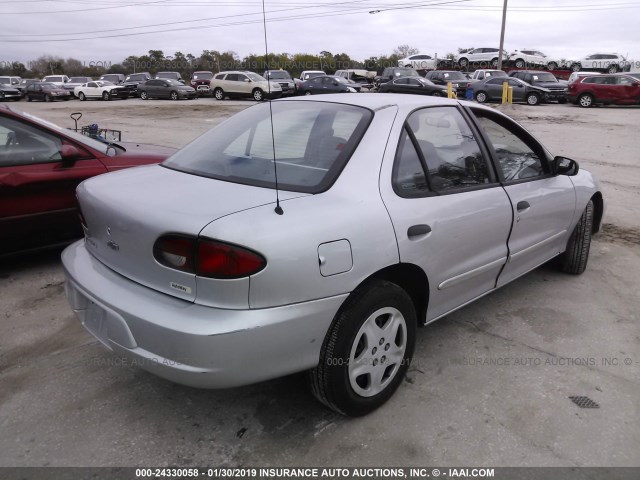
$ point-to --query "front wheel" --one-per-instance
(612, 69)
(519, 63)
(574, 259)
(463, 62)
(576, 67)
(258, 95)
(47, 98)
(552, 65)
(173, 95)
(144, 96)
(82, 97)
(533, 99)
(586, 100)
(481, 97)
(366, 351)
(106, 96)
(494, 62)
(308, 92)
(218, 94)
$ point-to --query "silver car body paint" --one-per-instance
(222, 333)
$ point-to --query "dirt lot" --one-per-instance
(489, 386)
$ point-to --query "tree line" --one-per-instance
(211, 60)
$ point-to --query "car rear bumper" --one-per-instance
(189, 343)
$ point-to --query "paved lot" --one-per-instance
(489, 386)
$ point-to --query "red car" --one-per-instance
(201, 81)
(41, 165)
(618, 89)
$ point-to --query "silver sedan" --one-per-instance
(315, 234)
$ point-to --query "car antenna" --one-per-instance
(278, 208)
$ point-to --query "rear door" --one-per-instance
(519, 89)
(37, 189)
(628, 89)
(543, 204)
(451, 216)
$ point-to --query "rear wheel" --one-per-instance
(173, 95)
(612, 69)
(48, 98)
(494, 62)
(218, 94)
(463, 62)
(574, 259)
(552, 65)
(576, 67)
(307, 92)
(367, 350)
(586, 100)
(520, 63)
(81, 97)
(481, 97)
(144, 96)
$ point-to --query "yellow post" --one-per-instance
(510, 96)
(505, 92)
(450, 92)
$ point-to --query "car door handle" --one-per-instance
(523, 206)
(418, 231)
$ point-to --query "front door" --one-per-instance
(543, 204)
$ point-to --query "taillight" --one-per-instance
(207, 258)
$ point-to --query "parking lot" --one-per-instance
(490, 383)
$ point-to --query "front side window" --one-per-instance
(517, 157)
(21, 144)
(312, 140)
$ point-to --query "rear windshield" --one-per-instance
(203, 76)
(544, 77)
(454, 76)
(279, 75)
(312, 140)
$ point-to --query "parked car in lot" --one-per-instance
(40, 166)
(57, 80)
(24, 83)
(244, 84)
(414, 85)
(459, 82)
(100, 90)
(361, 76)
(557, 88)
(165, 88)
(309, 74)
(47, 92)
(390, 73)
(480, 57)
(8, 92)
(170, 76)
(115, 78)
(283, 78)
(76, 82)
(419, 61)
(201, 81)
(483, 74)
(491, 90)
(131, 82)
(325, 84)
(607, 62)
(393, 211)
(617, 89)
(528, 58)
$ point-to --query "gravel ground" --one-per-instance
(489, 386)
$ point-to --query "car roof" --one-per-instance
(377, 101)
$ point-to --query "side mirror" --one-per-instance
(565, 166)
(69, 155)
(181, 81)
(247, 80)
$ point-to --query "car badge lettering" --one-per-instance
(180, 288)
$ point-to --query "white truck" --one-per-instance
(482, 74)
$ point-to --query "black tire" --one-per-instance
(106, 96)
(494, 62)
(144, 96)
(552, 65)
(48, 98)
(258, 95)
(173, 95)
(520, 63)
(28, 98)
(562, 101)
(576, 67)
(586, 100)
(218, 94)
(331, 382)
(307, 92)
(481, 97)
(1, 96)
(574, 259)
(533, 99)
(82, 97)
(613, 68)
(463, 62)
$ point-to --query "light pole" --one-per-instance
(504, 21)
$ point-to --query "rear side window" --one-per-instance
(312, 141)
